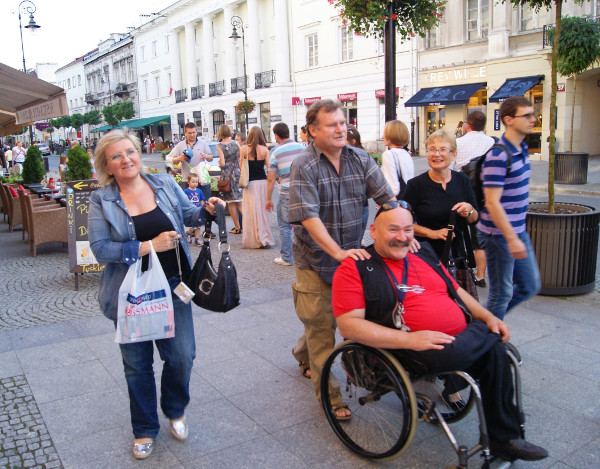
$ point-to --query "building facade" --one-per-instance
(71, 78)
(190, 67)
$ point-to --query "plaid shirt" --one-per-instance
(317, 191)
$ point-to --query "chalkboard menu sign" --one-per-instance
(81, 258)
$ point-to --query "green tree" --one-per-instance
(109, 116)
(79, 167)
(92, 117)
(33, 166)
(77, 121)
(578, 49)
(537, 5)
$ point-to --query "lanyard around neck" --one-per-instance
(400, 289)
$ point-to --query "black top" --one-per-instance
(432, 204)
(256, 170)
(148, 226)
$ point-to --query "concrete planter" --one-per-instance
(571, 168)
(566, 248)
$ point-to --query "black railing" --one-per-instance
(264, 79)
(197, 91)
(91, 98)
(217, 88)
(180, 95)
(237, 84)
(121, 89)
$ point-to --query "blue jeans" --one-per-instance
(178, 355)
(512, 281)
(285, 229)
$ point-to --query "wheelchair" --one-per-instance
(386, 402)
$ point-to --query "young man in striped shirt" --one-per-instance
(512, 268)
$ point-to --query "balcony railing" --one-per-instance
(91, 98)
(217, 88)
(121, 89)
(180, 95)
(264, 79)
(197, 92)
(237, 84)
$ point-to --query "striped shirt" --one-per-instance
(281, 161)
(316, 190)
(515, 193)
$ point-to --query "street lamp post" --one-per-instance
(237, 22)
(29, 8)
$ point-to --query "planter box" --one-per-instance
(571, 168)
(566, 248)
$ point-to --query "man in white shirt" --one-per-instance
(473, 144)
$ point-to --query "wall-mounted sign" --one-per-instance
(560, 87)
(252, 120)
(458, 75)
(496, 119)
(295, 101)
(49, 109)
(381, 93)
(309, 101)
(276, 118)
(347, 97)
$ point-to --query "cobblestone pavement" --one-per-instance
(24, 438)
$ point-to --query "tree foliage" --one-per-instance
(33, 166)
(411, 17)
(578, 45)
(109, 116)
(92, 117)
(79, 167)
(77, 120)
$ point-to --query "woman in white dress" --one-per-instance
(397, 165)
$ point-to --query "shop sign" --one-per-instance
(252, 120)
(347, 97)
(276, 118)
(309, 101)
(381, 93)
(295, 101)
(457, 75)
(560, 87)
(496, 119)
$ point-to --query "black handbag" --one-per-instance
(216, 291)
(458, 256)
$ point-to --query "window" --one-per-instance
(312, 50)
(116, 71)
(435, 36)
(347, 45)
(170, 83)
(69, 83)
(130, 69)
(154, 49)
(123, 71)
(78, 80)
(531, 20)
(157, 86)
(143, 53)
(478, 19)
(146, 89)
(81, 101)
(166, 43)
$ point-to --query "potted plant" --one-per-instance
(245, 106)
(33, 167)
(578, 49)
(79, 166)
(565, 235)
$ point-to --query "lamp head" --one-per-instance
(32, 25)
(235, 36)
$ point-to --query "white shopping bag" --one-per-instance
(145, 310)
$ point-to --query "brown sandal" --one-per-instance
(305, 370)
(341, 418)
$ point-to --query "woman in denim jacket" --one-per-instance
(131, 210)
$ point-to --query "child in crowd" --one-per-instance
(91, 155)
(197, 198)
(62, 167)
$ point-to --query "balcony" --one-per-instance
(121, 90)
(197, 92)
(264, 79)
(237, 84)
(91, 98)
(180, 95)
(216, 89)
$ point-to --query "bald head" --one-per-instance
(392, 232)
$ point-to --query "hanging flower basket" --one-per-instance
(245, 106)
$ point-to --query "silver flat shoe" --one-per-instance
(179, 429)
(142, 450)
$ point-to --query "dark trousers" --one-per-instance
(480, 353)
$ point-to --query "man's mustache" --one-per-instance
(399, 244)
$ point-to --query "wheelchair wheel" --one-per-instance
(378, 393)
(432, 387)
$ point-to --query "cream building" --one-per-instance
(484, 51)
(190, 69)
(71, 78)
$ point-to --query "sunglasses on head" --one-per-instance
(392, 204)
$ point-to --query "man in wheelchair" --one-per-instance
(407, 303)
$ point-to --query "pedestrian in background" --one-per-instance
(257, 232)
(396, 163)
(353, 139)
(229, 160)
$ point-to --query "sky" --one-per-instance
(69, 28)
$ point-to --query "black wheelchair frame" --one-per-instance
(386, 403)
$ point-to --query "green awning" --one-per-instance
(104, 128)
(135, 124)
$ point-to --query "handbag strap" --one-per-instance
(448, 244)
(220, 218)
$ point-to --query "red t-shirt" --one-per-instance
(432, 310)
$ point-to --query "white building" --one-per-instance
(190, 68)
(71, 78)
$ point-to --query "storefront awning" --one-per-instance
(104, 128)
(515, 87)
(25, 99)
(441, 95)
(136, 124)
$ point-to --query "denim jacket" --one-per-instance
(112, 232)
